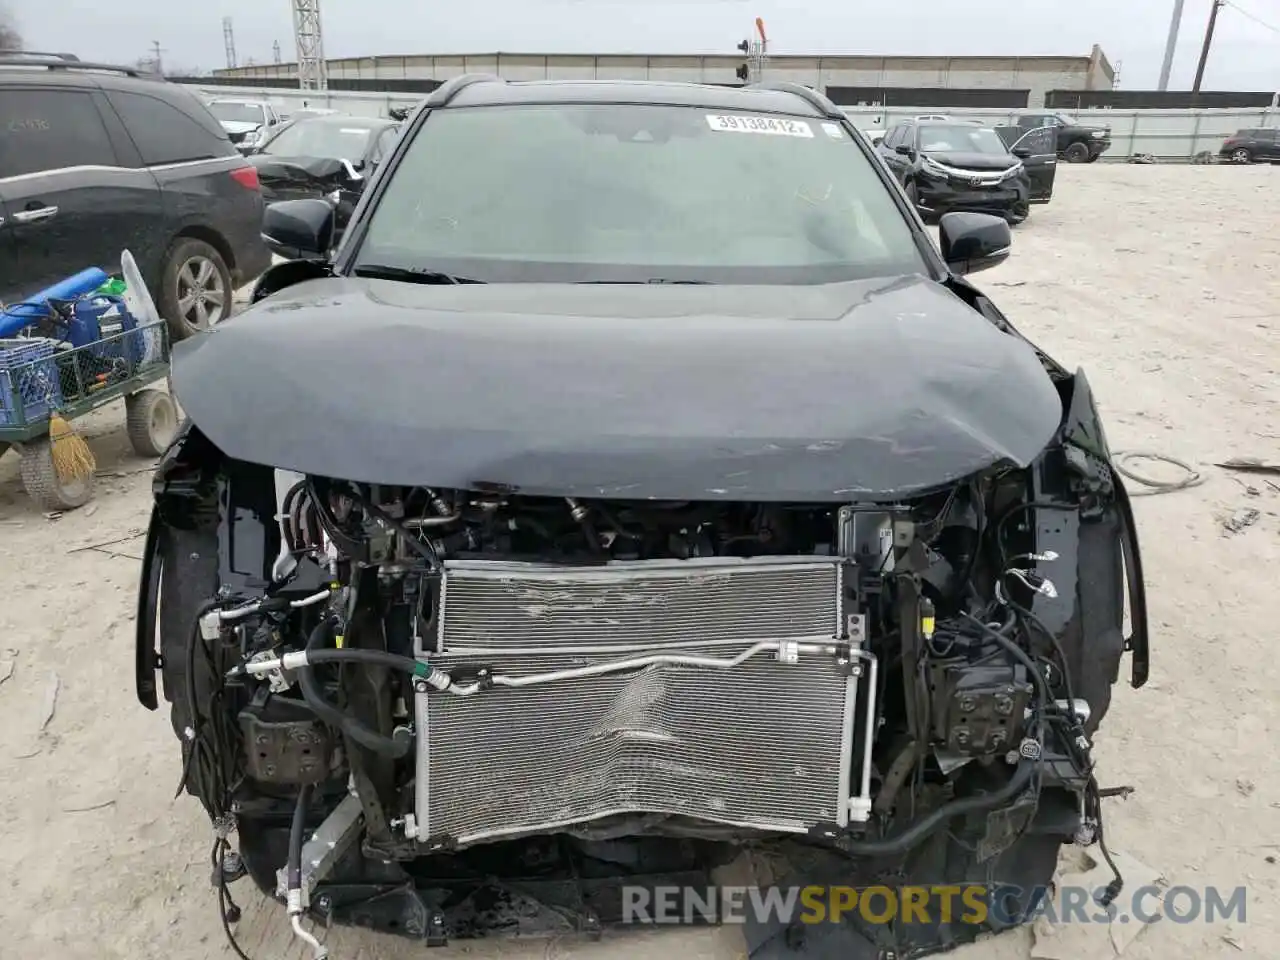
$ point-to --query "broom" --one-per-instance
(72, 458)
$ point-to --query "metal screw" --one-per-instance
(999, 737)
(962, 736)
(968, 704)
(420, 686)
(1004, 706)
(261, 738)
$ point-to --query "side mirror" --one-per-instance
(1022, 152)
(904, 149)
(972, 241)
(298, 229)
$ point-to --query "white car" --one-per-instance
(247, 122)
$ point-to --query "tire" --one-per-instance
(1242, 155)
(41, 481)
(1093, 158)
(195, 288)
(151, 418)
(1076, 153)
(1019, 214)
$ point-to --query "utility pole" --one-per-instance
(156, 51)
(229, 42)
(275, 51)
(1208, 40)
(1171, 44)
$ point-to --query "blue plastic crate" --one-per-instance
(29, 385)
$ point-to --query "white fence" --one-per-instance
(1167, 134)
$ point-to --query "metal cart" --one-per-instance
(37, 380)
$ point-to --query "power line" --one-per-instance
(1258, 20)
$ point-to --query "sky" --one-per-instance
(1245, 55)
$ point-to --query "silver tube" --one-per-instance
(318, 952)
(869, 735)
(634, 663)
(550, 648)
(417, 523)
(309, 601)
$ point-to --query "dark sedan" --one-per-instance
(958, 165)
(327, 157)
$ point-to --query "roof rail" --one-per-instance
(442, 94)
(815, 99)
(39, 53)
(64, 61)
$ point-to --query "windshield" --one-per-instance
(960, 139)
(236, 112)
(637, 192)
(321, 138)
(1066, 119)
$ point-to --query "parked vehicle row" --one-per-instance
(95, 158)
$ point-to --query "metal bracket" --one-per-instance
(325, 847)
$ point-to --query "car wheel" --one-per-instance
(1019, 213)
(1076, 153)
(1241, 156)
(195, 288)
(1093, 157)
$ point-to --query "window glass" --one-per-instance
(638, 192)
(958, 138)
(50, 129)
(229, 111)
(336, 139)
(162, 132)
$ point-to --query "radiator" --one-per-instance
(766, 744)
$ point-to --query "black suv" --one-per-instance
(95, 159)
(688, 361)
(962, 165)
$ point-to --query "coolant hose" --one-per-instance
(935, 820)
(293, 866)
(393, 747)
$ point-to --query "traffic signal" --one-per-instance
(743, 72)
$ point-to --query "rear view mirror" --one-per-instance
(298, 229)
(973, 241)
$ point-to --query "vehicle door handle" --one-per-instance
(35, 216)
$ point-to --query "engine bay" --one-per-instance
(426, 682)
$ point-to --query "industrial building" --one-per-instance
(990, 82)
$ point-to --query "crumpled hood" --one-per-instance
(307, 171)
(860, 390)
(972, 160)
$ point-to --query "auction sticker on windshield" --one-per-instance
(773, 126)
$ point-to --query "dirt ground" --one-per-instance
(1161, 281)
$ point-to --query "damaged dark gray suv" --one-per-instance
(637, 490)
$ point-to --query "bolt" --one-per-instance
(261, 738)
(271, 769)
(962, 737)
(324, 904)
(420, 686)
(1011, 758)
(968, 704)
(1004, 706)
(999, 737)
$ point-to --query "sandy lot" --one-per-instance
(1160, 280)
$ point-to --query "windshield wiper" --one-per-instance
(378, 271)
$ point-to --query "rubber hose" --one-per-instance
(376, 658)
(391, 747)
(293, 874)
(937, 819)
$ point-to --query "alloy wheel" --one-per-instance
(202, 297)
